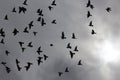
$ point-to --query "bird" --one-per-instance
(90, 24)
(88, 14)
(25, 3)
(39, 50)
(53, 3)
(39, 60)
(14, 10)
(51, 45)
(8, 70)
(2, 33)
(40, 12)
(68, 46)
(91, 6)
(80, 62)
(17, 61)
(54, 21)
(60, 74)
(66, 70)
(73, 36)
(35, 33)
(71, 54)
(76, 49)
(88, 4)
(15, 31)
(45, 57)
(2, 41)
(108, 9)
(93, 32)
(28, 66)
(21, 43)
(23, 49)
(43, 22)
(7, 52)
(6, 17)
(39, 19)
(19, 68)
(26, 30)
(63, 36)
(3, 63)
(50, 8)
(30, 24)
(22, 9)
(30, 44)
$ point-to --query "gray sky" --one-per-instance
(71, 17)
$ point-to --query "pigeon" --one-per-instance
(3, 63)
(79, 63)
(7, 52)
(40, 60)
(28, 65)
(53, 3)
(73, 36)
(68, 46)
(21, 43)
(45, 57)
(39, 50)
(66, 70)
(22, 9)
(76, 49)
(2, 41)
(15, 31)
(35, 33)
(50, 8)
(71, 54)
(26, 30)
(63, 36)
(93, 32)
(6, 17)
(40, 12)
(88, 14)
(108, 9)
(30, 44)
(14, 10)
(60, 74)
(54, 21)
(43, 22)
(25, 3)
(8, 70)
(30, 24)
(91, 24)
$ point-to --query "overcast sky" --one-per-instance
(71, 18)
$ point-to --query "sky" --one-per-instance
(71, 18)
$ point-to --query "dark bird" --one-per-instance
(88, 4)
(14, 10)
(91, 6)
(15, 32)
(73, 36)
(35, 33)
(23, 49)
(2, 41)
(28, 65)
(22, 9)
(7, 52)
(21, 43)
(53, 3)
(66, 70)
(17, 61)
(26, 30)
(43, 22)
(63, 36)
(2, 33)
(25, 3)
(90, 24)
(39, 50)
(8, 70)
(19, 68)
(54, 21)
(40, 12)
(79, 63)
(3, 63)
(88, 14)
(39, 60)
(30, 44)
(93, 32)
(108, 9)
(39, 19)
(60, 74)
(76, 49)
(50, 8)
(6, 17)
(45, 57)
(51, 44)
(30, 24)
(69, 46)
(71, 54)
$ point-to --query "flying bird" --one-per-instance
(93, 32)
(15, 31)
(63, 36)
(19, 68)
(30, 44)
(91, 6)
(45, 57)
(21, 43)
(88, 4)
(2, 33)
(54, 21)
(26, 30)
(51, 44)
(108, 9)
(17, 61)
(69, 46)
(3, 63)
(88, 14)
(60, 74)
(76, 49)
(8, 70)
(40, 12)
(23, 49)
(28, 65)
(6, 17)
(80, 62)
(66, 70)
(91, 24)
(71, 54)
(50, 8)
(2, 41)
(22, 9)
(25, 3)
(39, 50)
(39, 60)
(7, 52)
(73, 36)
(14, 10)
(30, 24)
(39, 19)
(43, 22)
(53, 3)
(35, 33)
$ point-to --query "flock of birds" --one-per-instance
(41, 57)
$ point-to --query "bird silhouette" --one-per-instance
(108, 9)
(2, 33)
(17, 64)
(73, 36)
(43, 22)
(39, 50)
(39, 19)
(15, 31)
(71, 54)
(54, 21)
(93, 32)
(88, 4)
(14, 10)
(30, 44)
(30, 24)
(22, 9)
(8, 70)
(21, 43)
(50, 8)
(39, 60)
(88, 14)
(60, 74)
(17, 61)
(40, 12)
(28, 66)
(66, 70)
(6, 17)
(2, 41)
(3, 63)
(63, 36)
(45, 57)
(53, 3)
(90, 24)
(26, 30)
(7, 52)
(80, 62)
(25, 3)
(23, 49)
(91, 6)
(51, 45)
(35, 33)
(69, 46)
(76, 49)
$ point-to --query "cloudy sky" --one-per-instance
(99, 53)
